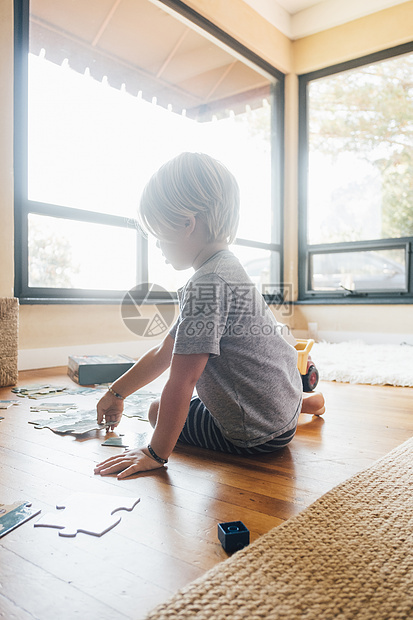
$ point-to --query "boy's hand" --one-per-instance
(128, 463)
(110, 408)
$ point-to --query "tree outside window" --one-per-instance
(360, 174)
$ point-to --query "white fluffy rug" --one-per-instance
(357, 362)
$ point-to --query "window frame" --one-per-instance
(306, 250)
(23, 206)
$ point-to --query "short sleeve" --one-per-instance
(172, 331)
(203, 317)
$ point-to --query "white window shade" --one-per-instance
(149, 51)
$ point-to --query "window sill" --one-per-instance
(36, 301)
(354, 300)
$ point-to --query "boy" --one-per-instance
(226, 341)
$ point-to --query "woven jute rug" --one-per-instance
(9, 319)
(348, 555)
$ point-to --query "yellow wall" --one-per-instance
(367, 35)
(373, 33)
(67, 325)
(381, 323)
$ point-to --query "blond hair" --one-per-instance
(192, 184)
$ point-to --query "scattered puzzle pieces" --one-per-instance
(74, 422)
(78, 422)
(47, 391)
(90, 514)
(13, 515)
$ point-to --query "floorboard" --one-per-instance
(170, 538)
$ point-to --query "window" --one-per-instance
(106, 91)
(356, 179)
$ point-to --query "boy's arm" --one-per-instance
(149, 367)
(175, 400)
(172, 413)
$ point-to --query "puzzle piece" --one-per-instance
(138, 404)
(13, 515)
(87, 513)
(83, 391)
(130, 440)
(48, 391)
(25, 389)
(5, 404)
(53, 407)
(74, 422)
(38, 391)
(117, 442)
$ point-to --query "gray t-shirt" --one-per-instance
(250, 384)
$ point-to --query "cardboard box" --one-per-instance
(91, 369)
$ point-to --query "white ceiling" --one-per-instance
(300, 18)
(293, 6)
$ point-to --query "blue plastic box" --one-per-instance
(233, 535)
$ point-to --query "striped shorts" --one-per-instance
(201, 430)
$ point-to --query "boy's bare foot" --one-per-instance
(313, 403)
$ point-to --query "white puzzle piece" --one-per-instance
(5, 404)
(138, 404)
(53, 407)
(87, 513)
(74, 422)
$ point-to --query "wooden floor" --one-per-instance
(170, 538)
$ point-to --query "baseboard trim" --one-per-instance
(31, 359)
(367, 337)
